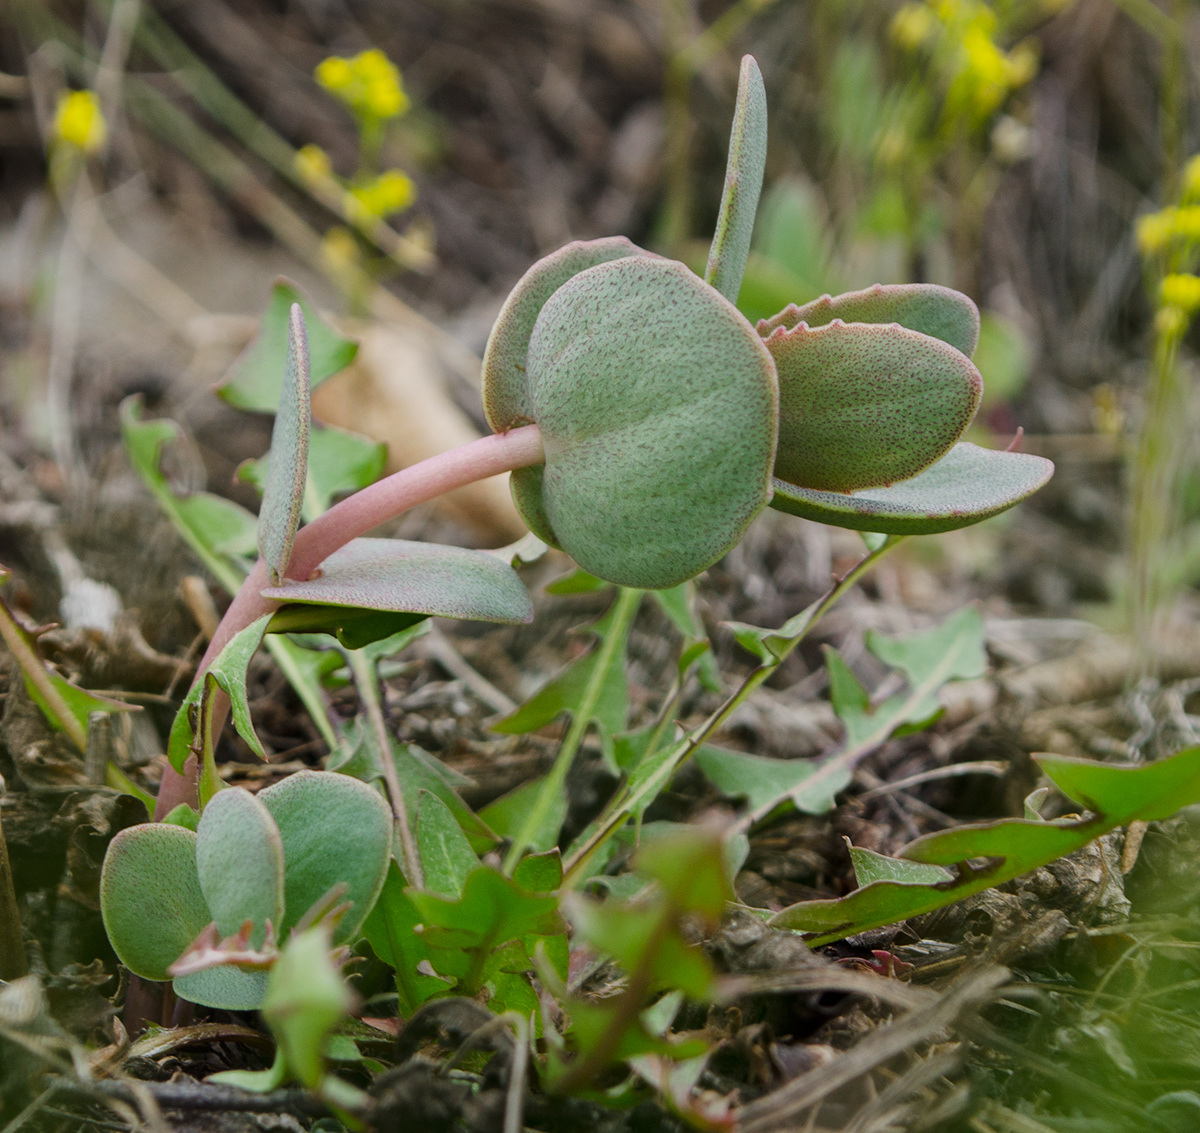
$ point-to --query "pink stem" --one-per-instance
(354, 516)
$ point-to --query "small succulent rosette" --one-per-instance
(669, 421)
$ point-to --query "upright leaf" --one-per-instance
(446, 856)
(283, 494)
(743, 183)
(239, 859)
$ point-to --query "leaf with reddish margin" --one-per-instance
(866, 405)
(928, 308)
(967, 485)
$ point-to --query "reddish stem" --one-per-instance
(354, 516)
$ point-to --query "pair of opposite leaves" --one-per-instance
(669, 421)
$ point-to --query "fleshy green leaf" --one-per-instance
(354, 627)
(283, 493)
(239, 858)
(150, 897)
(418, 771)
(446, 856)
(231, 989)
(863, 406)
(659, 431)
(255, 379)
(389, 931)
(928, 308)
(339, 462)
(967, 485)
(505, 383)
(1114, 794)
(506, 815)
(402, 577)
(334, 830)
(743, 183)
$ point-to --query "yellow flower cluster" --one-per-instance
(961, 35)
(368, 83)
(1158, 231)
(78, 122)
(313, 165)
(390, 192)
(1181, 290)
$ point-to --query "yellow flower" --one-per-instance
(312, 163)
(1181, 290)
(1170, 321)
(369, 84)
(1191, 180)
(339, 252)
(388, 193)
(1154, 230)
(913, 26)
(78, 121)
(335, 74)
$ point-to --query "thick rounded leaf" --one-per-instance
(334, 829)
(505, 388)
(863, 405)
(239, 858)
(422, 578)
(926, 307)
(968, 484)
(231, 989)
(150, 897)
(526, 487)
(657, 404)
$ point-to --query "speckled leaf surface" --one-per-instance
(866, 405)
(408, 577)
(283, 494)
(505, 386)
(334, 829)
(657, 403)
(743, 184)
(253, 382)
(526, 487)
(928, 308)
(967, 485)
(150, 897)
(239, 859)
(231, 989)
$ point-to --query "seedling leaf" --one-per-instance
(967, 485)
(239, 859)
(507, 815)
(255, 379)
(446, 855)
(863, 405)
(283, 493)
(870, 866)
(389, 931)
(150, 897)
(335, 830)
(925, 307)
(1114, 794)
(402, 577)
(762, 781)
(743, 183)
